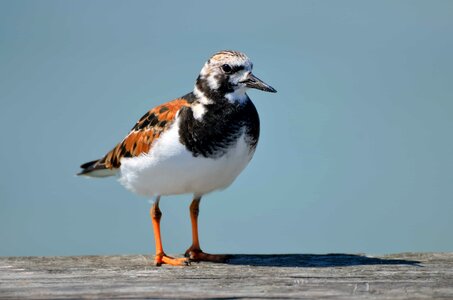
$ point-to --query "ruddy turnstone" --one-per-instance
(195, 144)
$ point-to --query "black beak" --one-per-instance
(255, 83)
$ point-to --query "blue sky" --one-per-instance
(355, 152)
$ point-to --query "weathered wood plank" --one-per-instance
(339, 276)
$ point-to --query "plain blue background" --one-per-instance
(356, 152)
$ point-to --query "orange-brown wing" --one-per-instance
(145, 132)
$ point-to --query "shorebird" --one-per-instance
(194, 144)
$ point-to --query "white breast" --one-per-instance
(170, 169)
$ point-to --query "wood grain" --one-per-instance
(310, 276)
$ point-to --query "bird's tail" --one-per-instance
(96, 168)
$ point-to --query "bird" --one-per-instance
(194, 144)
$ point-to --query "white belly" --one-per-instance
(170, 169)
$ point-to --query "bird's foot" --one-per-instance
(198, 255)
(162, 258)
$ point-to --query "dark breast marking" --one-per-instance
(221, 126)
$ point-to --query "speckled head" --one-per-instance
(227, 75)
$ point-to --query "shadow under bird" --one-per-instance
(195, 144)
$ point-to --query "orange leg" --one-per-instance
(161, 257)
(194, 252)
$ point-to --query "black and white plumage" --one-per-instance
(194, 144)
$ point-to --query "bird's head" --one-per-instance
(228, 74)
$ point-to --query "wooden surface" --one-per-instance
(335, 276)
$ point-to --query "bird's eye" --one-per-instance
(226, 68)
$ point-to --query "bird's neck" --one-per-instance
(209, 91)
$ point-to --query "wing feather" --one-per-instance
(139, 140)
